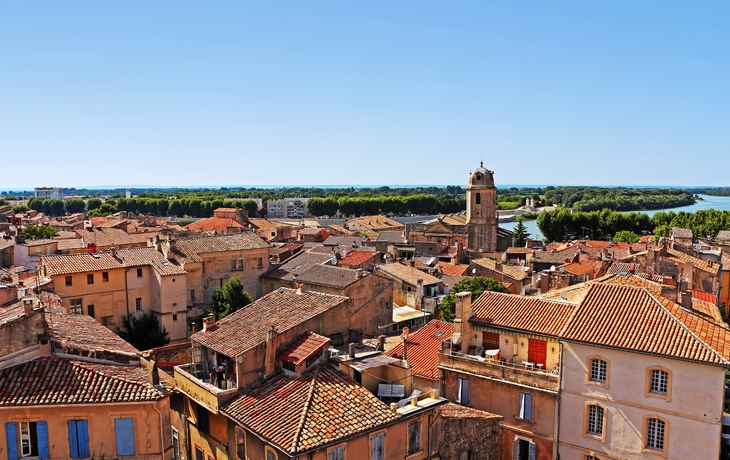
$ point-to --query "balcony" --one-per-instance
(201, 390)
(509, 372)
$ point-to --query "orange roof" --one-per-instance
(219, 224)
(304, 347)
(356, 257)
(423, 348)
(706, 296)
(581, 268)
(704, 265)
(453, 270)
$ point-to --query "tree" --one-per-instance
(476, 286)
(36, 204)
(35, 232)
(93, 203)
(103, 210)
(626, 236)
(229, 298)
(520, 235)
(251, 207)
(53, 207)
(20, 209)
(144, 332)
(74, 205)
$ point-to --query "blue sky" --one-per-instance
(376, 92)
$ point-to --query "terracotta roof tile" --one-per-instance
(521, 313)
(51, 381)
(304, 347)
(297, 265)
(700, 264)
(321, 407)
(410, 275)
(391, 237)
(452, 410)
(512, 272)
(357, 257)
(678, 232)
(328, 275)
(246, 328)
(376, 223)
(107, 237)
(217, 224)
(423, 348)
(83, 333)
(453, 270)
(65, 264)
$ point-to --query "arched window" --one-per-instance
(479, 198)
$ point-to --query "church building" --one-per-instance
(476, 229)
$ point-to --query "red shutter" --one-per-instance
(490, 340)
(537, 351)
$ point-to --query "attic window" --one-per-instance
(479, 177)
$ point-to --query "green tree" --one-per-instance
(626, 236)
(53, 207)
(251, 207)
(74, 205)
(520, 235)
(36, 204)
(476, 286)
(92, 204)
(104, 210)
(35, 232)
(144, 332)
(176, 208)
(229, 298)
(20, 209)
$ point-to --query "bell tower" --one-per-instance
(481, 210)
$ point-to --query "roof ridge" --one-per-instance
(295, 443)
(80, 364)
(683, 326)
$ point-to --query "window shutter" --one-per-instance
(11, 436)
(73, 445)
(528, 407)
(465, 392)
(378, 451)
(82, 429)
(516, 450)
(522, 405)
(533, 451)
(125, 436)
(42, 432)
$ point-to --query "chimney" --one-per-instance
(686, 300)
(300, 287)
(113, 252)
(28, 305)
(351, 350)
(269, 365)
(544, 282)
(688, 272)
(209, 323)
(358, 273)
(381, 343)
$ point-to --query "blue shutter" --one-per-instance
(82, 429)
(42, 431)
(11, 436)
(528, 407)
(533, 451)
(125, 436)
(516, 450)
(73, 445)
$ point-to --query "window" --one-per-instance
(192, 295)
(463, 396)
(104, 277)
(76, 307)
(199, 454)
(69, 281)
(595, 420)
(270, 453)
(139, 273)
(479, 198)
(537, 351)
(377, 447)
(524, 449)
(78, 438)
(414, 437)
(90, 310)
(236, 265)
(138, 303)
(655, 431)
(598, 370)
(176, 455)
(337, 453)
(124, 431)
(240, 444)
(202, 418)
(174, 316)
(261, 262)
(525, 406)
(659, 381)
(592, 457)
(90, 278)
(31, 437)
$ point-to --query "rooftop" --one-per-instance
(298, 264)
(408, 274)
(217, 224)
(304, 347)
(189, 248)
(328, 275)
(66, 264)
(423, 348)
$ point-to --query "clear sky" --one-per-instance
(363, 92)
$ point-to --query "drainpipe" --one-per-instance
(560, 385)
(162, 437)
(126, 290)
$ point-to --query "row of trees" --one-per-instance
(394, 205)
(617, 198)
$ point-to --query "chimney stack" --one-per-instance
(269, 367)
(687, 300)
(688, 273)
(113, 252)
(208, 323)
(351, 350)
(28, 305)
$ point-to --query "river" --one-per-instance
(720, 203)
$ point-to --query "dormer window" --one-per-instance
(479, 177)
(479, 197)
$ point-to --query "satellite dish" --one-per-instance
(473, 271)
(552, 269)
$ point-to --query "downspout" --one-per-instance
(559, 397)
(162, 437)
(126, 290)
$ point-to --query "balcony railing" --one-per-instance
(522, 374)
(200, 389)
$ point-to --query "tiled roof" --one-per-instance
(217, 224)
(11, 312)
(297, 265)
(700, 264)
(304, 347)
(678, 232)
(453, 270)
(391, 237)
(328, 275)
(348, 241)
(189, 248)
(38, 242)
(66, 264)
(582, 268)
(246, 328)
(516, 250)
(408, 274)
(52, 381)
(618, 267)
(84, 333)
(556, 258)
(423, 348)
(706, 296)
(66, 244)
(105, 237)
(527, 314)
(723, 235)
(709, 310)
(312, 231)
(321, 407)
(356, 257)
(632, 319)
(452, 410)
(512, 272)
(376, 222)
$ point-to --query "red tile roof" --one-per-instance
(217, 224)
(423, 348)
(678, 232)
(700, 264)
(247, 327)
(66, 264)
(452, 410)
(81, 333)
(582, 268)
(529, 314)
(706, 296)
(328, 275)
(453, 270)
(306, 346)
(321, 407)
(356, 257)
(51, 381)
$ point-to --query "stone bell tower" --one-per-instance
(481, 210)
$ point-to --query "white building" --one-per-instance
(44, 193)
(288, 208)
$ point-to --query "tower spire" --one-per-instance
(481, 160)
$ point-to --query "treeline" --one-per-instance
(563, 225)
(392, 205)
(617, 198)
